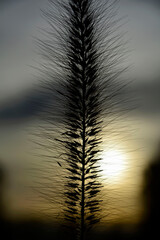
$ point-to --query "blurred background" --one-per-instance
(132, 182)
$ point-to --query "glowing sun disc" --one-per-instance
(113, 163)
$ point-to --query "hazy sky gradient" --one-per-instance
(19, 23)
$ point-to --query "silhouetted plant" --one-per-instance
(82, 119)
(83, 66)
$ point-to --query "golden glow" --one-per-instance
(113, 164)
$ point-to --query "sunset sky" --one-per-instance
(138, 132)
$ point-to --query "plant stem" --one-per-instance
(82, 234)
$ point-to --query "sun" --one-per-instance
(113, 164)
